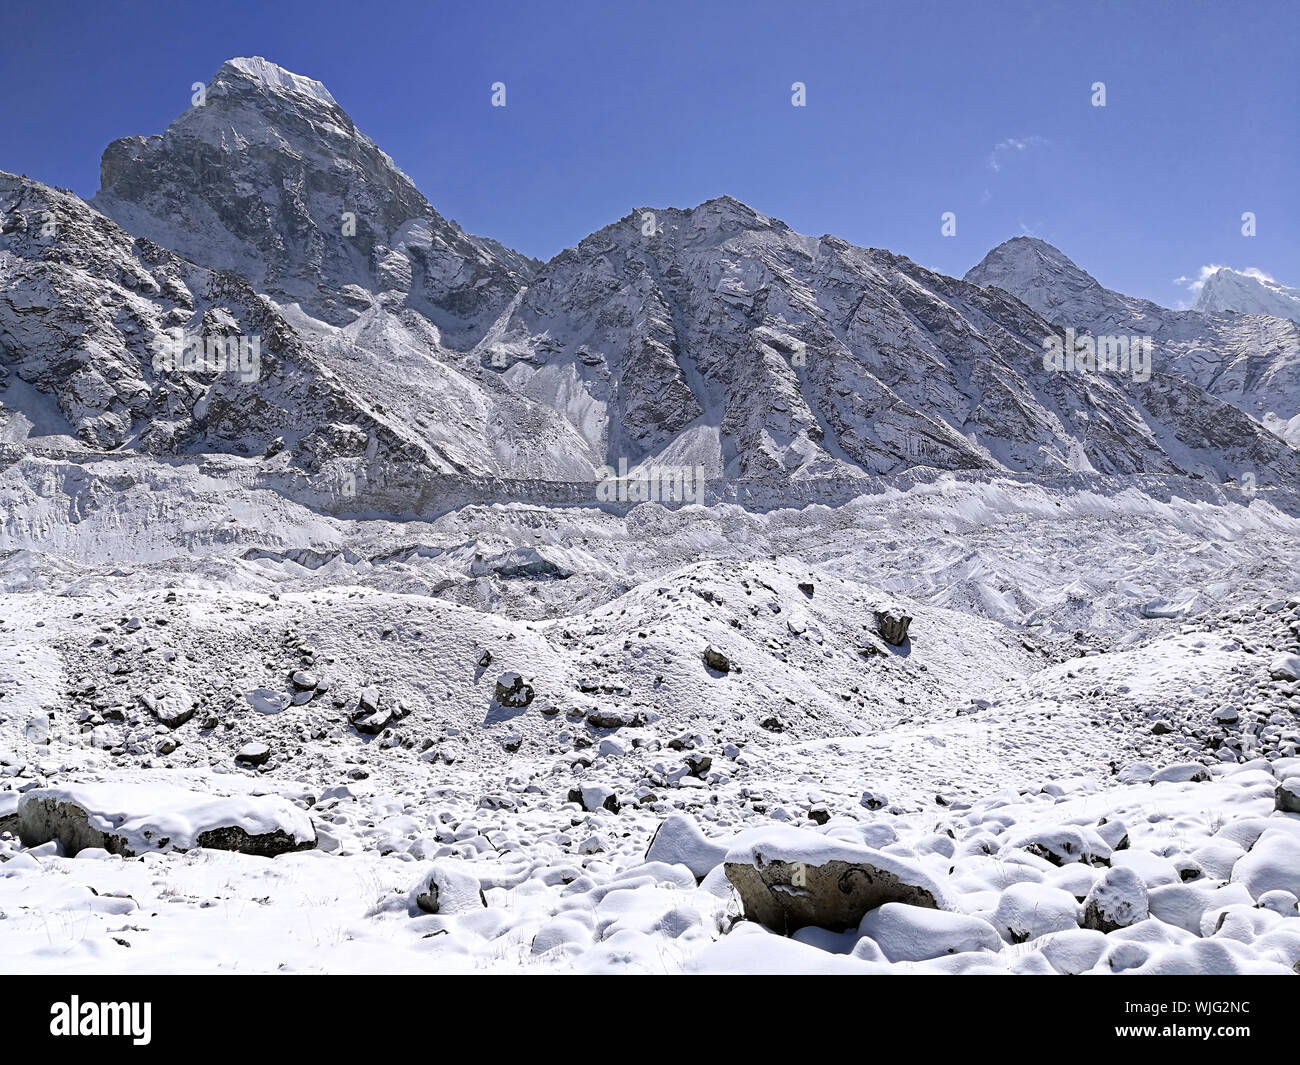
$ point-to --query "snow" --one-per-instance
(276, 77)
(297, 606)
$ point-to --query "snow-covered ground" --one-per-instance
(1080, 746)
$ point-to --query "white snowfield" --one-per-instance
(957, 666)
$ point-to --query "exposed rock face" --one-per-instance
(593, 797)
(1287, 796)
(791, 878)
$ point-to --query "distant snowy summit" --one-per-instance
(1241, 292)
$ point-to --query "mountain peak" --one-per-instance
(1031, 252)
(273, 76)
(1247, 292)
(267, 177)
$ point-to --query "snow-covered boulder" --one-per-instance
(593, 797)
(446, 887)
(267, 701)
(1026, 911)
(1272, 864)
(916, 933)
(789, 877)
(132, 819)
(1182, 773)
(1062, 844)
(1117, 900)
(172, 707)
(1285, 667)
(679, 841)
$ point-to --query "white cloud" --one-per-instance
(1012, 145)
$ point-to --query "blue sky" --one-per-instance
(913, 109)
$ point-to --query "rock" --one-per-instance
(1182, 773)
(1285, 667)
(133, 819)
(304, 681)
(1287, 796)
(513, 690)
(521, 562)
(680, 841)
(1026, 911)
(38, 729)
(892, 624)
(874, 800)
(368, 700)
(914, 933)
(1063, 844)
(374, 723)
(789, 878)
(819, 814)
(447, 888)
(615, 719)
(484, 660)
(1283, 902)
(172, 707)
(1272, 864)
(716, 660)
(266, 701)
(1161, 728)
(1117, 900)
(592, 797)
(698, 764)
(253, 754)
(807, 588)
(9, 812)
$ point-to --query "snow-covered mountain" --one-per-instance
(269, 178)
(1249, 360)
(1232, 291)
(713, 337)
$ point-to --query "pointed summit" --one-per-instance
(1247, 292)
(1044, 277)
(267, 177)
(272, 76)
